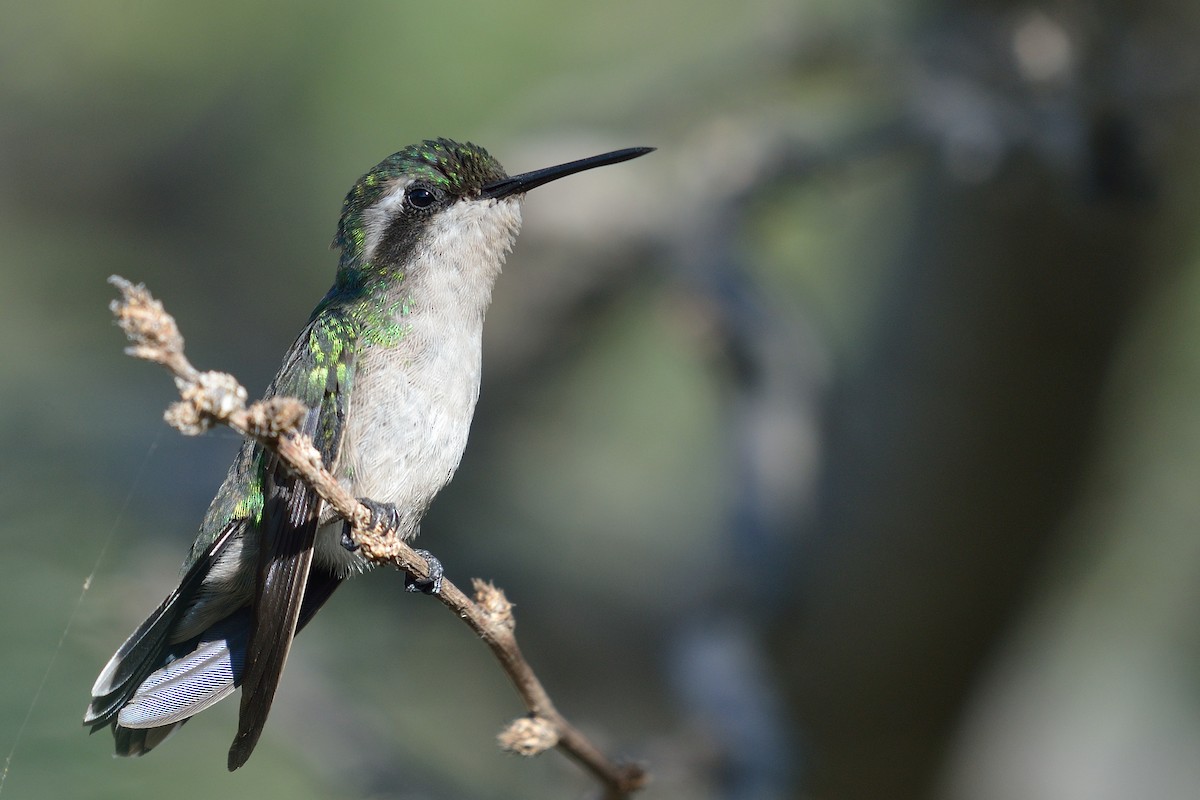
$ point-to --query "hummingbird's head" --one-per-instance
(441, 199)
(392, 204)
(439, 203)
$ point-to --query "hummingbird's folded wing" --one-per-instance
(290, 527)
(319, 372)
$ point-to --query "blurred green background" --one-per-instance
(845, 447)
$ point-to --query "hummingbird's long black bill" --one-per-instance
(518, 184)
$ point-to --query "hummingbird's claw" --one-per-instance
(430, 585)
(348, 540)
(383, 515)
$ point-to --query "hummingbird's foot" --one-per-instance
(383, 515)
(430, 585)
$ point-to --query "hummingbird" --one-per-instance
(389, 368)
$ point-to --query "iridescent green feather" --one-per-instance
(319, 372)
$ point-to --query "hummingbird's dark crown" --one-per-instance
(460, 170)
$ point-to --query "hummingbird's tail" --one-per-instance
(151, 687)
(196, 674)
(144, 654)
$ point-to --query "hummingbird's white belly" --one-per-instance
(406, 427)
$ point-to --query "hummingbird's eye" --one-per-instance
(420, 197)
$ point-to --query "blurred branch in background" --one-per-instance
(771, 373)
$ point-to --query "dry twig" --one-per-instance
(210, 398)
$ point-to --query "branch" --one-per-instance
(210, 398)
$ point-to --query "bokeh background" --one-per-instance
(846, 447)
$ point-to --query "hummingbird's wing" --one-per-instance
(285, 557)
(319, 371)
